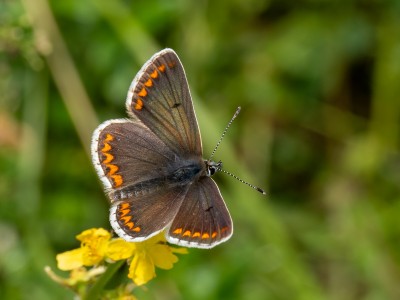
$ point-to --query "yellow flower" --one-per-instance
(94, 244)
(149, 254)
(119, 249)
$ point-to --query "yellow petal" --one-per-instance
(141, 269)
(94, 243)
(92, 256)
(94, 233)
(70, 260)
(162, 256)
(119, 249)
(158, 238)
(83, 275)
(179, 250)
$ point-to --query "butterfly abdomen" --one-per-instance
(138, 189)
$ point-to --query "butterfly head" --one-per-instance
(212, 167)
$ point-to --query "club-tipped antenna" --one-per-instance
(245, 182)
(226, 129)
(229, 173)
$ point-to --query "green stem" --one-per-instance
(97, 288)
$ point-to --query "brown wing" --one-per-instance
(159, 96)
(141, 216)
(203, 221)
(126, 152)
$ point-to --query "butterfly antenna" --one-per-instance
(226, 129)
(229, 173)
(242, 181)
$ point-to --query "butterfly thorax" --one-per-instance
(184, 175)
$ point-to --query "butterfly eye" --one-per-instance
(213, 167)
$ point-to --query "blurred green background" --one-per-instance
(319, 86)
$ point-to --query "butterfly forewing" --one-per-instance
(159, 96)
(125, 152)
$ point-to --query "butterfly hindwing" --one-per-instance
(141, 216)
(203, 220)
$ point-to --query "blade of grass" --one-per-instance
(62, 67)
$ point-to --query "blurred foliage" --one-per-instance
(318, 82)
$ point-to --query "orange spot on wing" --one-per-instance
(106, 148)
(117, 180)
(124, 212)
(154, 74)
(109, 137)
(162, 68)
(187, 233)
(205, 236)
(109, 158)
(124, 205)
(171, 64)
(126, 219)
(177, 231)
(196, 234)
(214, 234)
(143, 92)
(224, 229)
(113, 169)
(138, 104)
(136, 229)
(129, 225)
(149, 83)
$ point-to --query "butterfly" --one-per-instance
(152, 165)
